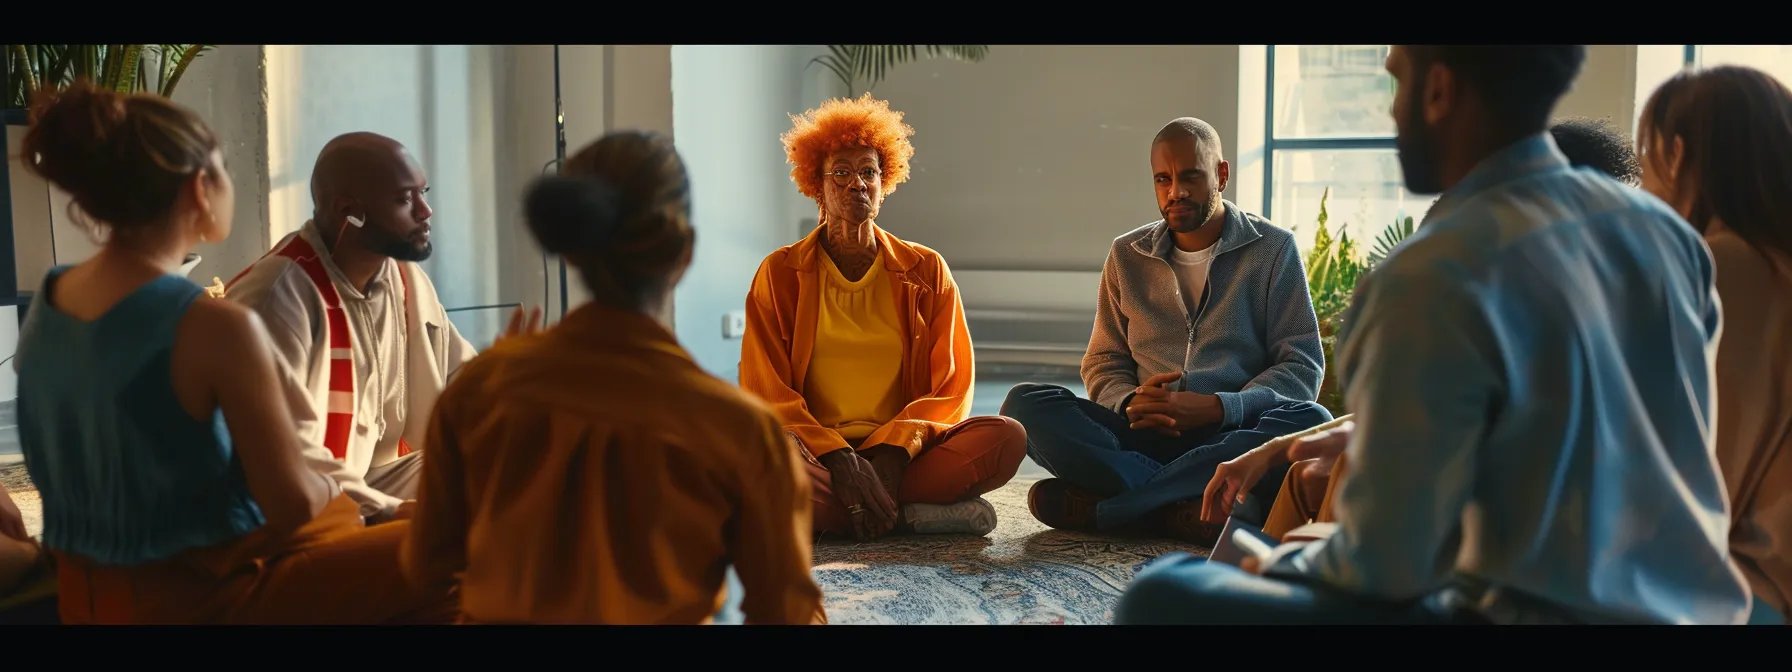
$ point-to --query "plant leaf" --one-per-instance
(828, 61)
(113, 61)
(128, 75)
(192, 53)
(124, 68)
(28, 82)
(873, 62)
(849, 59)
(1390, 238)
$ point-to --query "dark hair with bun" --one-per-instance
(122, 157)
(620, 213)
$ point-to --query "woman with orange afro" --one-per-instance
(858, 342)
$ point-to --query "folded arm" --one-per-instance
(765, 369)
(951, 362)
(772, 553)
(1421, 377)
(1292, 343)
(1109, 372)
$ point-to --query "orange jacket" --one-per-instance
(782, 309)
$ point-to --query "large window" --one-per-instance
(1773, 59)
(1330, 126)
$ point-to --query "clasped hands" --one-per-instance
(1154, 406)
(866, 483)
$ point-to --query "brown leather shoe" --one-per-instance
(1063, 506)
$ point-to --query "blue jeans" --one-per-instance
(1180, 589)
(1137, 471)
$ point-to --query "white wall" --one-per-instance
(1606, 86)
(437, 101)
(228, 87)
(730, 104)
(602, 87)
(1036, 158)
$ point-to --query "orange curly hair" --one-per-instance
(840, 124)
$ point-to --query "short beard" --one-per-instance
(1418, 152)
(1203, 214)
(401, 249)
(406, 251)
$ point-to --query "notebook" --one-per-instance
(1228, 550)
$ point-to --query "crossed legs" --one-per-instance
(968, 460)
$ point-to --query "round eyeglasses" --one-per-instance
(843, 177)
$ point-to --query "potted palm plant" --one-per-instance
(127, 68)
(867, 64)
(37, 217)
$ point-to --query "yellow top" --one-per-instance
(854, 374)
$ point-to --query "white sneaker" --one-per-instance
(972, 516)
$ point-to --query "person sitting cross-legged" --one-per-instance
(1205, 345)
(857, 339)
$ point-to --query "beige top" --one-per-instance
(1754, 410)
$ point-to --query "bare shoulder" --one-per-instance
(1738, 259)
(223, 327)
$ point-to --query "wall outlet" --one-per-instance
(734, 325)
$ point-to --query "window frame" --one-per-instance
(1272, 144)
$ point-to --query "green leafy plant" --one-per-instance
(868, 63)
(1334, 267)
(126, 68)
(1389, 239)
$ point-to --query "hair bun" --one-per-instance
(72, 135)
(568, 214)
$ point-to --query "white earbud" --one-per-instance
(355, 221)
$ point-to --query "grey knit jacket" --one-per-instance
(1253, 342)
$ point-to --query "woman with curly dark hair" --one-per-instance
(857, 340)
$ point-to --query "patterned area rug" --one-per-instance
(24, 495)
(1023, 573)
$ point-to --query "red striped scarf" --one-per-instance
(340, 414)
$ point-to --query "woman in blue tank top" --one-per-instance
(170, 471)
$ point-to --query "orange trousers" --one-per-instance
(332, 571)
(1293, 507)
(972, 458)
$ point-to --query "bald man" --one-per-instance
(1205, 346)
(358, 323)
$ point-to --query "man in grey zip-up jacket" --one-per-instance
(1205, 346)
